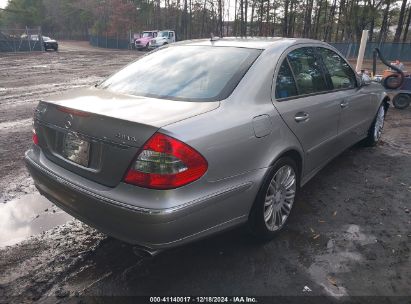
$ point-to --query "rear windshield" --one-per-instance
(190, 73)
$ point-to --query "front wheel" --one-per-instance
(275, 199)
(401, 101)
(375, 131)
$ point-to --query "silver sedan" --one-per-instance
(201, 136)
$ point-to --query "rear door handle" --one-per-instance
(344, 103)
(301, 116)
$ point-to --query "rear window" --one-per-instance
(190, 73)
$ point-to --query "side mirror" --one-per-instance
(364, 79)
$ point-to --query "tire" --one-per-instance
(146, 48)
(277, 193)
(375, 131)
(401, 101)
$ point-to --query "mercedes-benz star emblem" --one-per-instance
(69, 121)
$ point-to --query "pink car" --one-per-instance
(144, 41)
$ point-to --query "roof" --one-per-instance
(249, 42)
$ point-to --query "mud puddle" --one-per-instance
(27, 216)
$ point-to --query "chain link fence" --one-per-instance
(391, 51)
(117, 41)
(21, 40)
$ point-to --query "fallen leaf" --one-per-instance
(335, 213)
(312, 230)
(321, 221)
(307, 289)
(332, 281)
(316, 236)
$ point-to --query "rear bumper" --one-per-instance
(152, 228)
(50, 45)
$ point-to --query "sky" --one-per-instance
(3, 3)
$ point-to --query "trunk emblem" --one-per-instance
(126, 137)
(69, 121)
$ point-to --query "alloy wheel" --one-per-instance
(379, 123)
(279, 198)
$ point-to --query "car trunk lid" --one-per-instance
(97, 134)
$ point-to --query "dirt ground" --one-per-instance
(349, 236)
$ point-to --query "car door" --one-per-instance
(304, 102)
(356, 103)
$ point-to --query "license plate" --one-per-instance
(76, 149)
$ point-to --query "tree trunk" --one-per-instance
(285, 22)
(267, 20)
(307, 18)
(241, 17)
(372, 25)
(343, 23)
(407, 25)
(317, 22)
(184, 22)
(273, 27)
(235, 18)
(260, 27)
(400, 25)
(384, 21)
(245, 18)
(329, 26)
(203, 19)
(220, 19)
(339, 21)
(252, 19)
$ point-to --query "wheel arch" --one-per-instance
(386, 102)
(296, 156)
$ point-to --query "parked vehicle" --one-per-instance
(163, 38)
(30, 37)
(202, 136)
(143, 42)
(50, 44)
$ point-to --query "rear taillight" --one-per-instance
(166, 163)
(35, 138)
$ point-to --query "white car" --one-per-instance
(163, 38)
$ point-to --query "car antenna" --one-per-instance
(213, 38)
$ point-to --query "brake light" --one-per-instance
(165, 163)
(72, 111)
(35, 138)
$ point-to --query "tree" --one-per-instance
(330, 20)
(407, 25)
(384, 23)
(400, 22)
